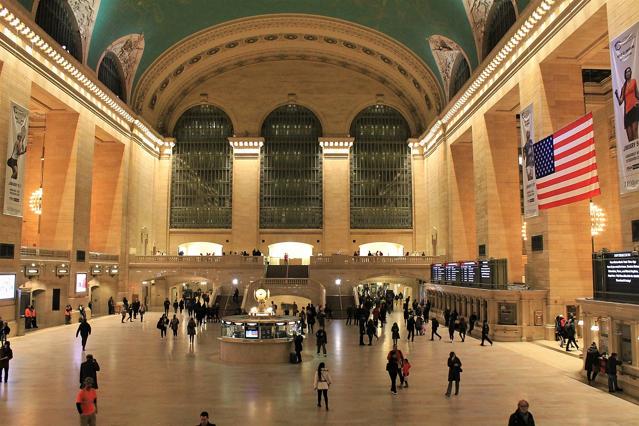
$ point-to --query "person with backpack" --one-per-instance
(395, 333)
(322, 339)
(434, 325)
(174, 325)
(321, 383)
(484, 333)
(454, 373)
(161, 325)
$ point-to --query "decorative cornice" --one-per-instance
(336, 146)
(246, 146)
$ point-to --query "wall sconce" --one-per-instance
(32, 271)
(113, 270)
(62, 270)
(96, 270)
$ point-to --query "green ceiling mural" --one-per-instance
(166, 22)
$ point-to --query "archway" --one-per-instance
(198, 248)
(387, 249)
(95, 296)
(292, 250)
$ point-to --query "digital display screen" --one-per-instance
(80, 282)
(622, 272)
(451, 273)
(7, 286)
(485, 272)
(437, 272)
(468, 271)
(252, 333)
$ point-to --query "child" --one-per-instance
(406, 371)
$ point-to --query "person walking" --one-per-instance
(111, 305)
(392, 367)
(123, 311)
(451, 329)
(87, 403)
(570, 334)
(84, 330)
(406, 371)
(176, 305)
(6, 355)
(321, 383)
(67, 314)
(592, 363)
(370, 331)
(322, 339)
(89, 368)
(454, 373)
(349, 315)
(190, 330)
(472, 319)
(395, 333)
(484, 333)
(410, 327)
(142, 311)
(174, 325)
(462, 329)
(446, 316)
(181, 305)
(611, 371)
(162, 323)
(130, 312)
(297, 341)
(362, 331)
(167, 304)
(398, 356)
(4, 332)
(434, 325)
(521, 417)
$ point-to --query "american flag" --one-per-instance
(566, 166)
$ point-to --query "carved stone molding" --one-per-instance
(85, 12)
(446, 53)
(128, 49)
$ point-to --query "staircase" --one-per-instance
(227, 306)
(287, 271)
(339, 311)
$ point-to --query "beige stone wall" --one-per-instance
(337, 204)
(462, 202)
(436, 165)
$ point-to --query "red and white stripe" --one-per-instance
(575, 176)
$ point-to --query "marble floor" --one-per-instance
(149, 381)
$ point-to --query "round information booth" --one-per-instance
(259, 337)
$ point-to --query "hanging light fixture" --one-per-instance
(597, 220)
(35, 201)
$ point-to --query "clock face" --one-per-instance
(260, 294)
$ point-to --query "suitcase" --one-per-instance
(292, 357)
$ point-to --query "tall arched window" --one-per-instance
(201, 180)
(56, 18)
(459, 76)
(291, 169)
(501, 17)
(381, 188)
(110, 73)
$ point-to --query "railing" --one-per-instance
(484, 286)
(284, 282)
(103, 257)
(36, 252)
(233, 259)
(375, 260)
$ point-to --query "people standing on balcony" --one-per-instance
(592, 363)
(434, 325)
(484, 333)
(84, 330)
(462, 329)
(175, 322)
(471, 323)
(395, 333)
(321, 340)
(190, 330)
(410, 327)
(454, 373)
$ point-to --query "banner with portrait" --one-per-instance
(14, 164)
(527, 128)
(625, 67)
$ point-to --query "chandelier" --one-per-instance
(35, 201)
(597, 220)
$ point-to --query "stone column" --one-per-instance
(564, 266)
(246, 193)
(463, 241)
(496, 178)
(336, 195)
(421, 240)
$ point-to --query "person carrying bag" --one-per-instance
(321, 384)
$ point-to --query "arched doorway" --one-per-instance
(294, 251)
(387, 249)
(198, 248)
(96, 298)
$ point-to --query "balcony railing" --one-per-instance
(375, 260)
(103, 257)
(42, 253)
(226, 260)
(284, 282)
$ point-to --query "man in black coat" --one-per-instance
(521, 417)
(297, 340)
(167, 304)
(84, 329)
(592, 363)
(322, 340)
(89, 368)
(484, 333)
(6, 355)
(611, 371)
(410, 326)
(471, 323)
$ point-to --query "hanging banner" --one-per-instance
(16, 148)
(527, 127)
(625, 66)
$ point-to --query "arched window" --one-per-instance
(291, 169)
(381, 188)
(56, 18)
(201, 180)
(500, 18)
(110, 73)
(459, 76)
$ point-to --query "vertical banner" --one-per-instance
(14, 172)
(625, 66)
(527, 127)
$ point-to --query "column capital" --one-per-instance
(336, 146)
(167, 148)
(416, 149)
(246, 146)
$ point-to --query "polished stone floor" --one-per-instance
(148, 381)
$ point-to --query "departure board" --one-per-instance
(437, 272)
(451, 273)
(468, 272)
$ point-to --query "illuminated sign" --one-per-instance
(468, 272)
(80, 282)
(7, 286)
